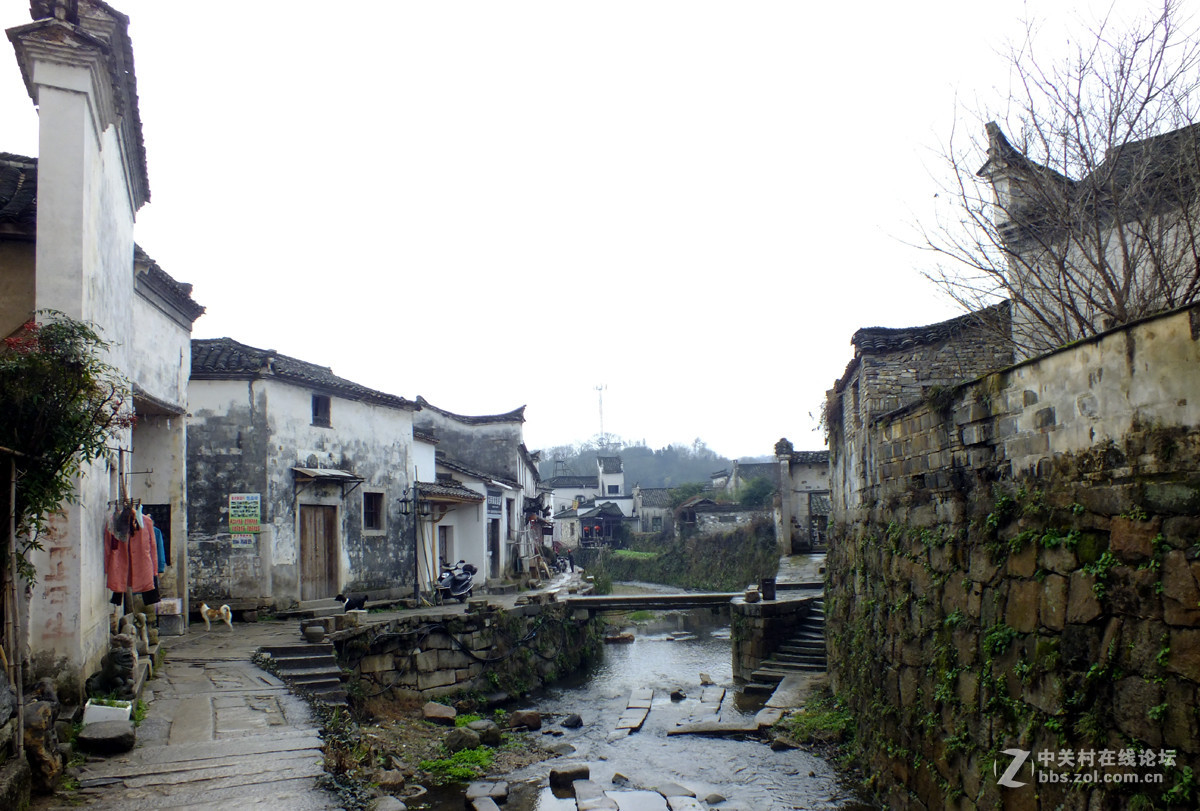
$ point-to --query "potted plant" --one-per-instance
(106, 709)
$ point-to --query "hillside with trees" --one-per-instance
(666, 467)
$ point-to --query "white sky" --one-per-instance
(501, 203)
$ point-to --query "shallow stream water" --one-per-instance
(671, 652)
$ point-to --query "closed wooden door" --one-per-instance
(494, 547)
(318, 552)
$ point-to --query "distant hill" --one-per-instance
(666, 467)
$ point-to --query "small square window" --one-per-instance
(373, 511)
(614, 489)
(320, 410)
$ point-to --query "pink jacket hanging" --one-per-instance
(131, 565)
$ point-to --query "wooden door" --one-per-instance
(318, 552)
(494, 547)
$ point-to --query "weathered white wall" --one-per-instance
(271, 422)
(161, 360)
(84, 268)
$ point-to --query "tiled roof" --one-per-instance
(18, 191)
(226, 359)
(607, 508)
(452, 491)
(884, 339)
(609, 464)
(175, 294)
(1143, 165)
(810, 457)
(573, 482)
(516, 415)
(426, 437)
(655, 496)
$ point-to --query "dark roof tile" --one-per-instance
(516, 415)
(227, 359)
(18, 191)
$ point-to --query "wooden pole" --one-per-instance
(14, 622)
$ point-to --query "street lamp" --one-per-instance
(410, 506)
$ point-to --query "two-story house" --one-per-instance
(67, 245)
(493, 447)
(298, 481)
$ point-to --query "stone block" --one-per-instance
(1023, 564)
(438, 678)
(440, 714)
(1044, 418)
(1007, 428)
(970, 412)
(1132, 698)
(1181, 531)
(1053, 606)
(1134, 592)
(1082, 603)
(1027, 445)
(1184, 658)
(1180, 498)
(107, 737)
(1181, 595)
(378, 663)
(453, 660)
(1107, 499)
(1059, 559)
(1021, 612)
(1181, 730)
(1132, 540)
(426, 661)
(982, 569)
(1046, 694)
(976, 434)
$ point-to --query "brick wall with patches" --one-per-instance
(1018, 567)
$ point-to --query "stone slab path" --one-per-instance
(219, 733)
(636, 710)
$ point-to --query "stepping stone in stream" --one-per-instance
(636, 709)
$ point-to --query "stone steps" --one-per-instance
(803, 652)
(310, 668)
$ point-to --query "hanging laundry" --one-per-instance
(131, 565)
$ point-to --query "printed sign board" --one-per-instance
(245, 513)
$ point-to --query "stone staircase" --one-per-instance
(803, 652)
(309, 668)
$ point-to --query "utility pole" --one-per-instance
(600, 392)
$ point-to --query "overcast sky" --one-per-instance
(491, 204)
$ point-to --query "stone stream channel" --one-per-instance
(669, 652)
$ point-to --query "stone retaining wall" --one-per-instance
(1017, 567)
(488, 650)
(758, 629)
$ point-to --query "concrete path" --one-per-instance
(218, 733)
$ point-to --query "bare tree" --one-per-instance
(1086, 215)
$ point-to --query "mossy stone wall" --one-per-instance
(1018, 567)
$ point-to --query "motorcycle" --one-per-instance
(456, 581)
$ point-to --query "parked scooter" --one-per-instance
(456, 581)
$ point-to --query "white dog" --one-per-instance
(223, 613)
